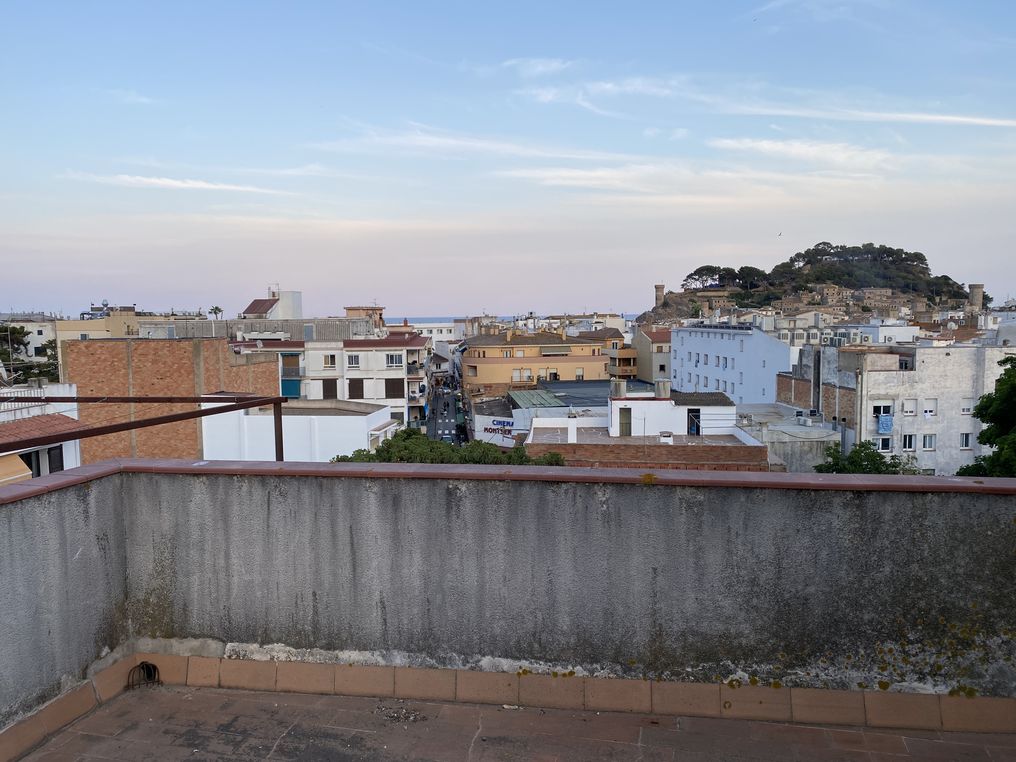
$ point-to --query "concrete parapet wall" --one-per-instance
(844, 582)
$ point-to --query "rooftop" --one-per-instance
(660, 334)
(517, 338)
(260, 307)
(534, 398)
(36, 426)
(403, 341)
(702, 399)
(172, 723)
(588, 393)
(602, 334)
(596, 435)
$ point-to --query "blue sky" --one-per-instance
(451, 158)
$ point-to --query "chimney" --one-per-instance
(662, 388)
(659, 293)
(618, 388)
(509, 335)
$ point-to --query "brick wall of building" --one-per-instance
(158, 367)
(793, 391)
(838, 403)
(693, 457)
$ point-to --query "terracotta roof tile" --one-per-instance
(36, 426)
(260, 306)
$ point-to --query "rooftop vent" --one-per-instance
(666, 437)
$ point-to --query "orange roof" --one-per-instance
(661, 334)
(36, 426)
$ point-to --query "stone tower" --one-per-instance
(976, 300)
(660, 287)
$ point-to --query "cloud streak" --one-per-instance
(430, 141)
(131, 97)
(537, 67)
(168, 183)
(836, 154)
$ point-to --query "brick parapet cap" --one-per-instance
(660, 477)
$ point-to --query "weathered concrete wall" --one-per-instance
(812, 588)
(62, 589)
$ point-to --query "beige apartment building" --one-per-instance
(499, 361)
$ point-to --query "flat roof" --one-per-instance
(534, 398)
(587, 393)
(599, 435)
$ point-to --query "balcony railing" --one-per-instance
(292, 372)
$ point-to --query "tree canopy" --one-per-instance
(413, 446)
(864, 459)
(854, 267)
(997, 410)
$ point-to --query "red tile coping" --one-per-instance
(810, 706)
(668, 478)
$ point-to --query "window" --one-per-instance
(506, 353)
(964, 441)
(967, 405)
(724, 386)
(705, 359)
(763, 363)
(40, 351)
(355, 389)
(878, 410)
(883, 444)
(717, 361)
(741, 341)
(329, 361)
(705, 381)
(689, 377)
(731, 387)
(928, 442)
(689, 357)
(580, 374)
(393, 360)
(308, 332)
(731, 363)
(84, 336)
(908, 442)
(516, 374)
(398, 415)
(55, 457)
(470, 370)
(663, 369)
(395, 388)
(724, 363)
(520, 353)
(352, 361)
(39, 333)
(930, 407)
(909, 407)
(697, 357)
(527, 374)
(717, 382)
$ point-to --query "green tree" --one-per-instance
(864, 459)
(997, 410)
(749, 277)
(413, 446)
(700, 277)
(13, 347)
(215, 311)
(50, 367)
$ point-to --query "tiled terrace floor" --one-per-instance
(215, 724)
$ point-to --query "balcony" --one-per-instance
(415, 370)
(622, 371)
(797, 580)
(295, 372)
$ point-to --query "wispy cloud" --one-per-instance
(131, 97)
(170, 183)
(835, 154)
(426, 140)
(537, 67)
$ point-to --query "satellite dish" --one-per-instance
(105, 302)
(260, 344)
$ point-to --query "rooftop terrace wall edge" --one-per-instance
(666, 477)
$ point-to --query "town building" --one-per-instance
(158, 367)
(279, 305)
(494, 363)
(653, 429)
(22, 417)
(915, 401)
(313, 431)
(652, 348)
(740, 361)
(39, 328)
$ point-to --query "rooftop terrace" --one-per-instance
(873, 588)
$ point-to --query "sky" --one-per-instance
(454, 158)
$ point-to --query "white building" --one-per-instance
(388, 371)
(739, 361)
(919, 401)
(21, 418)
(280, 305)
(453, 330)
(312, 431)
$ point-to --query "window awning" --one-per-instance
(13, 469)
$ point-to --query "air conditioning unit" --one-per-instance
(806, 421)
(813, 413)
(826, 339)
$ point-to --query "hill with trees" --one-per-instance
(852, 267)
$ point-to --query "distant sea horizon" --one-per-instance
(444, 319)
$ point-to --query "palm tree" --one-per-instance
(216, 311)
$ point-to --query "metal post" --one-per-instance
(277, 412)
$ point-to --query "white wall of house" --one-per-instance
(650, 416)
(441, 331)
(309, 438)
(947, 381)
(17, 404)
(740, 363)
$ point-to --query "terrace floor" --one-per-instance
(214, 724)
